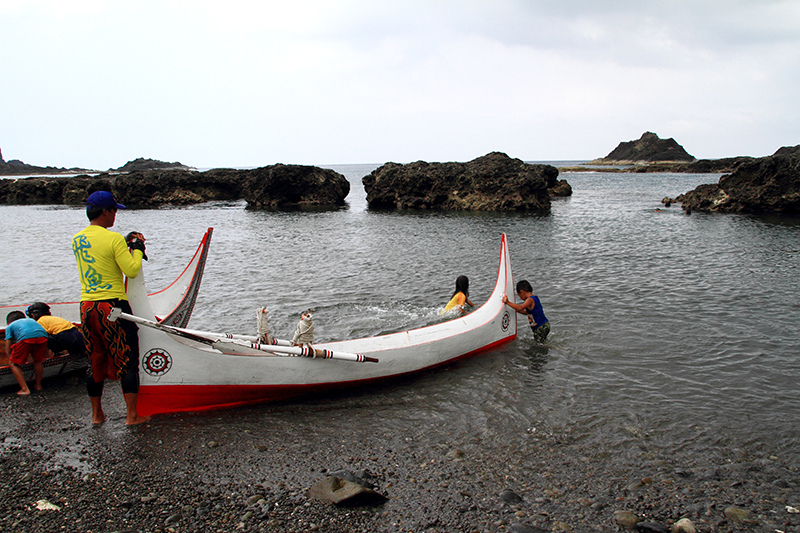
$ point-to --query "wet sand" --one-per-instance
(199, 473)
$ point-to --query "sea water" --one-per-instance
(681, 330)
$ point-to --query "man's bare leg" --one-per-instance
(133, 417)
(98, 416)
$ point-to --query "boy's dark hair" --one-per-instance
(37, 309)
(14, 315)
(523, 285)
(93, 212)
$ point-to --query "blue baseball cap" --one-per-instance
(103, 200)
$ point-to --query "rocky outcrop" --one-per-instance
(142, 164)
(494, 182)
(649, 147)
(764, 185)
(276, 186)
(283, 185)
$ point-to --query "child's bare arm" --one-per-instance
(519, 308)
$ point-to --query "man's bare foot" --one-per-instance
(37, 388)
(138, 420)
(99, 419)
(26, 392)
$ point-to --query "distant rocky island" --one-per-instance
(15, 167)
(650, 153)
(142, 164)
(648, 148)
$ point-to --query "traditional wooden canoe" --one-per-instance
(172, 305)
(190, 370)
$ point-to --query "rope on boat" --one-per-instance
(263, 325)
(304, 333)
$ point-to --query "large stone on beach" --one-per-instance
(763, 185)
(626, 520)
(737, 515)
(494, 182)
(345, 493)
(649, 147)
(684, 525)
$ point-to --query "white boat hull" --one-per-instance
(179, 374)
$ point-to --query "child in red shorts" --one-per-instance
(25, 339)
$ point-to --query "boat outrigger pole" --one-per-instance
(230, 346)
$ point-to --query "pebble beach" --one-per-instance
(61, 473)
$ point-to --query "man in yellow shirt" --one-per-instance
(103, 258)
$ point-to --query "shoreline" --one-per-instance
(200, 472)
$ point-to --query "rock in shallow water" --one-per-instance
(494, 182)
(764, 185)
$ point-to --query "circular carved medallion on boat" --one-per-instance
(157, 362)
(506, 321)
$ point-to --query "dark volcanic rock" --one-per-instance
(285, 185)
(649, 147)
(142, 164)
(276, 186)
(764, 185)
(494, 182)
(176, 187)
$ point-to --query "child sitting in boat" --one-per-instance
(304, 333)
(460, 297)
(62, 335)
(25, 339)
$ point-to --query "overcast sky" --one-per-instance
(96, 83)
